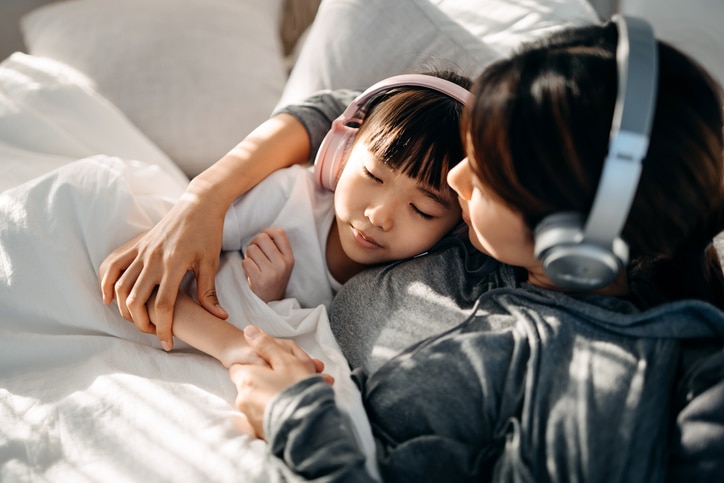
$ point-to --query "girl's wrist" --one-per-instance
(239, 352)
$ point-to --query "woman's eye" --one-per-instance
(424, 215)
(371, 176)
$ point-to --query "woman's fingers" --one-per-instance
(123, 287)
(257, 385)
(163, 304)
(282, 354)
(206, 287)
(113, 267)
(251, 399)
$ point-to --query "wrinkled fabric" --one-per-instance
(290, 199)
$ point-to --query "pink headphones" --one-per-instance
(332, 152)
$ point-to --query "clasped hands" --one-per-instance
(257, 384)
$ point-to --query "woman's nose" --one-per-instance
(460, 178)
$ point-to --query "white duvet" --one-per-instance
(84, 396)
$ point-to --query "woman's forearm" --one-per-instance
(279, 142)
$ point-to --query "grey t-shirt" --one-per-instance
(414, 308)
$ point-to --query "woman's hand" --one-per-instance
(268, 263)
(187, 238)
(257, 385)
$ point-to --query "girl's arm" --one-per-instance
(208, 333)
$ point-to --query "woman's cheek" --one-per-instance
(477, 239)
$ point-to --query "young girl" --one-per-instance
(390, 201)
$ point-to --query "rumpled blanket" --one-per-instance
(84, 396)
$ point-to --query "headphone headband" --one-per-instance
(581, 258)
(332, 152)
(453, 90)
(637, 61)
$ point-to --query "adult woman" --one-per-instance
(541, 382)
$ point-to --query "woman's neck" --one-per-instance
(339, 264)
(617, 288)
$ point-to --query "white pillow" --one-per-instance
(195, 76)
(694, 26)
(354, 43)
(505, 24)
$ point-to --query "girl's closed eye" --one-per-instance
(370, 175)
(419, 212)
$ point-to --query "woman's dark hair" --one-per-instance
(537, 134)
(416, 130)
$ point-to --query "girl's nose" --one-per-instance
(381, 215)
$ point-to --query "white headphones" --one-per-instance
(585, 257)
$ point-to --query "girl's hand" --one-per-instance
(268, 263)
(257, 385)
(187, 238)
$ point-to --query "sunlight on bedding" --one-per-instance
(61, 425)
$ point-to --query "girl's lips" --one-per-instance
(364, 240)
(466, 219)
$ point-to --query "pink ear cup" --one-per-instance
(332, 152)
(331, 156)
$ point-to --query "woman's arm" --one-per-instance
(435, 412)
(327, 447)
(189, 236)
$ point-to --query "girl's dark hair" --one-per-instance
(416, 130)
(538, 133)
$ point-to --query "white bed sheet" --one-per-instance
(83, 395)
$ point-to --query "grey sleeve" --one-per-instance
(317, 113)
(698, 436)
(423, 429)
(309, 438)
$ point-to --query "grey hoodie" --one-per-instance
(535, 385)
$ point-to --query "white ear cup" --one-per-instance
(585, 254)
(571, 262)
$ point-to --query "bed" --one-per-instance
(106, 110)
